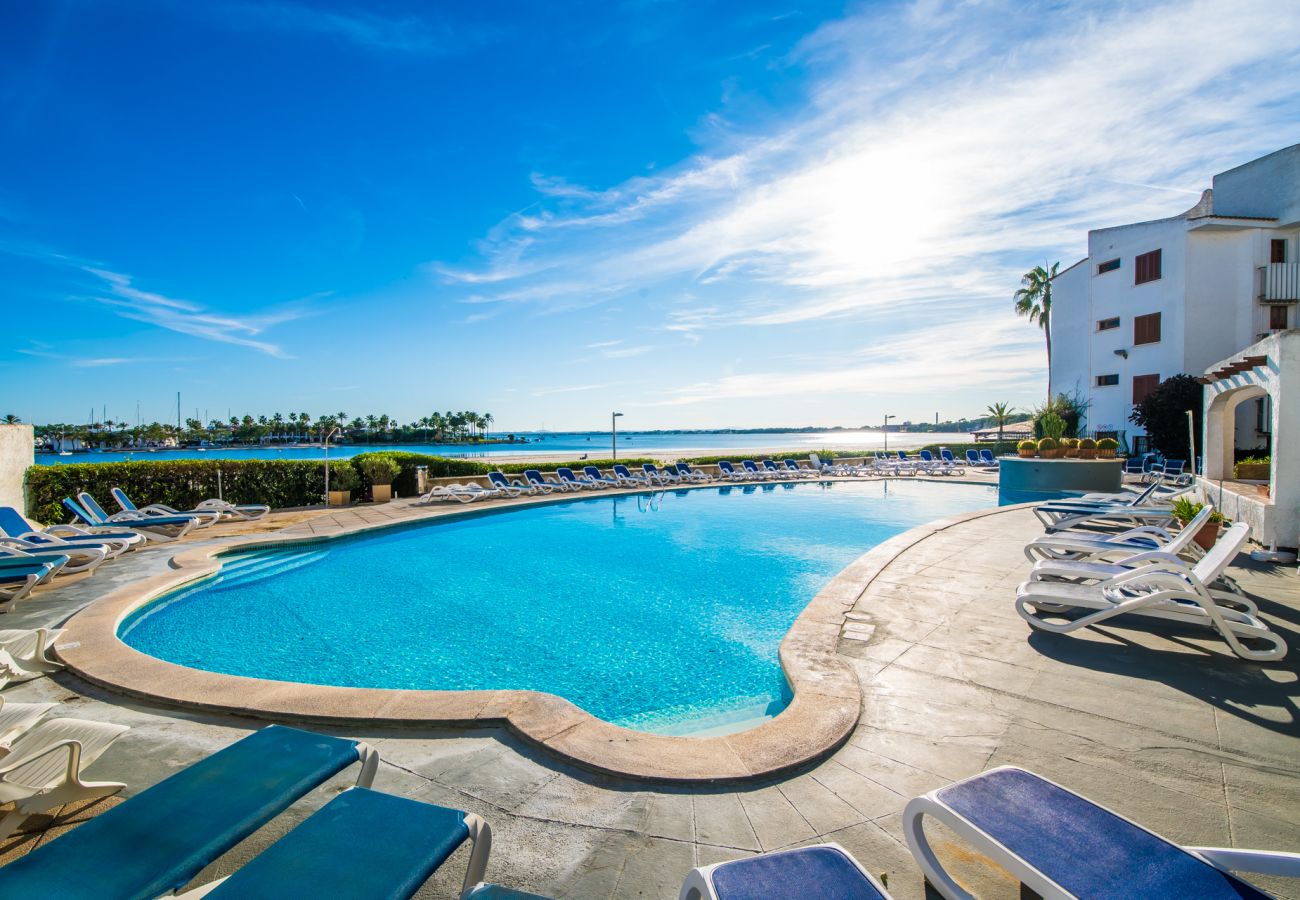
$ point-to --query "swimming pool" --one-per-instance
(659, 612)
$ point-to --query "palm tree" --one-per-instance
(11, 419)
(1000, 413)
(1035, 301)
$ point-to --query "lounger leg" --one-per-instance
(933, 870)
(369, 757)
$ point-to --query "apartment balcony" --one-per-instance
(1279, 283)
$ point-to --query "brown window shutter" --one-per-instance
(1143, 385)
(1146, 329)
(1146, 267)
(1277, 317)
(1277, 251)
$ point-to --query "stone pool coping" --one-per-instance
(826, 705)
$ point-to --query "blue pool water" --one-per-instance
(659, 612)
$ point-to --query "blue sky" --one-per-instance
(701, 214)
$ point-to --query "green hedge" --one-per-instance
(178, 483)
(404, 485)
(999, 448)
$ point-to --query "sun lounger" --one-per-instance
(51, 563)
(793, 468)
(509, 488)
(465, 493)
(14, 527)
(81, 558)
(545, 485)
(627, 479)
(157, 841)
(1061, 845)
(754, 472)
(1100, 545)
(988, 458)
(155, 528)
(209, 509)
(362, 844)
(567, 475)
(1168, 472)
(42, 770)
(17, 583)
(16, 719)
(30, 647)
(595, 475)
(686, 473)
(822, 870)
(1154, 592)
(955, 467)
(202, 519)
(664, 477)
(729, 473)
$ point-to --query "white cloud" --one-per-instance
(186, 317)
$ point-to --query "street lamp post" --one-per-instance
(887, 418)
(613, 434)
(326, 445)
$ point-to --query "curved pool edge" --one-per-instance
(825, 708)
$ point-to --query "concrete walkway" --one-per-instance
(1173, 732)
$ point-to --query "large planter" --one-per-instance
(1052, 454)
(1253, 471)
(1087, 453)
(1206, 537)
(1071, 452)
(340, 498)
(381, 493)
(1026, 454)
(1105, 454)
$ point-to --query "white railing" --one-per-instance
(1279, 283)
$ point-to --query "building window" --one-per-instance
(1107, 324)
(1277, 318)
(1146, 267)
(1264, 415)
(1277, 251)
(1109, 265)
(1143, 385)
(1146, 329)
(1107, 380)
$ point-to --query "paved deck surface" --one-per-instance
(1171, 731)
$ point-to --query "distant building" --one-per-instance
(1156, 299)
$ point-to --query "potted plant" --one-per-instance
(343, 478)
(1185, 509)
(1071, 447)
(1027, 449)
(1087, 449)
(380, 471)
(1048, 448)
(1106, 448)
(1254, 468)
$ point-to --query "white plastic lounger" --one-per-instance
(30, 647)
(465, 493)
(49, 563)
(14, 525)
(1064, 518)
(81, 558)
(729, 472)
(203, 518)
(507, 487)
(595, 475)
(1155, 593)
(43, 768)
(687, 473)
(545, 485)
(626, 479)
(17, 583)
(657, 476)
(16, 719)
(1062, 846)
(567, 475)
(247, 511)
(153, 528)
(822, 870)
(1097, 545)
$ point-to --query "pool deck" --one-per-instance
(1171, 731)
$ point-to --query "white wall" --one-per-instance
(1071, 324)
(1268, 186)
(17, 454)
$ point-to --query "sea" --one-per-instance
(596, 445)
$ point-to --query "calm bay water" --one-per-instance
(595, 444)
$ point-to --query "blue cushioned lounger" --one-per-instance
(362, 845)
(1062, 845)
(169, 528)
(825, 871)
(158, 840)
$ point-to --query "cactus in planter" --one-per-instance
(1106, 448)
(1048, 448)
(1070, 446)
(1087, 449)
(1027, 448)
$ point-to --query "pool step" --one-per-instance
(257, 567)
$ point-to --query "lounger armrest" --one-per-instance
(1153, 573)
(1146, 531)
(1157, 557)
(72, 746)
(480, 835)
(1264, 862)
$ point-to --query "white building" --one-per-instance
(1162, 298)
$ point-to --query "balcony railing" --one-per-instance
(1279, 283)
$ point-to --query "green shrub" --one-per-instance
(1256, 461)
(1047, 444)
(344, 476)
(1052, 426)
(1088, 444)
(1107, 444)
(1069, 442)
(1185, 509)
(378, 468)
(1027, 445)
(179, 483)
